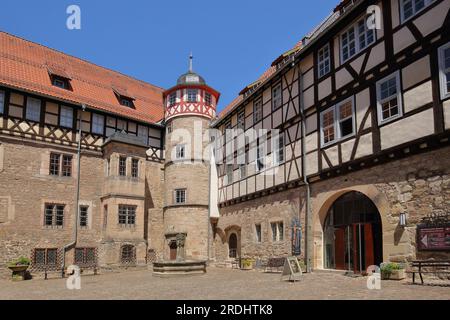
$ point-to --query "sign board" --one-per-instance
(433, 238)
(292, 269)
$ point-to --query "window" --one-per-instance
(122, 166)
(84, 216)
(45, 257)
(143, 134)
(389, 98)
(227, 131)
(105, 217)
(258, 233)
(98, 123)
(409, 8)
(54, 164)
(135, 168)
(355, 39)
(180, 151)
(126, 102)
(207, 98)
(127, 215)
(180, 196)
(192, 95)
(337, 122)
(60, 82)
(173, 98)
(2, 102)
(54, 216)
(66, 166)
(241, 120)
(277, 231)
(85, 257)
(229, 173)
(279, 150)
(128, 254)
(257, 111)
(66, 117)
(169, 127)
(345, 118)
(33, 109)
(277, 98)
(323, 59)
(328, 130)
(242, 171)
(260, 155)
(444, 70)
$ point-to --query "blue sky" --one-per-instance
(233, 41)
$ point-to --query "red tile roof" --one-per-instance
(26, 65)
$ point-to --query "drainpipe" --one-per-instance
(77, 199)
(208, 225)
(308, 215)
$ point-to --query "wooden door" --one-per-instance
(369, 245)
(339, 248)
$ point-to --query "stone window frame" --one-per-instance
(122, 167)
(176, 196)
(64, 169)
(180, 151)
(135, 168)
(129, 216)
(54, 217)
(260, 239)
(89, 206)
(277, 238)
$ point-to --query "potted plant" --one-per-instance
(247, 264)
(19, 268)
(392, 271)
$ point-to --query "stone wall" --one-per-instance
(241, 219)
(417, 185)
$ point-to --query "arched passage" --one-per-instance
(352, 234)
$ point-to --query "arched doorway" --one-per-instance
(353, 234)
(233, 246)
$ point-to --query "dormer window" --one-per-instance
(60, 83)
(126, 102)
(125, 98)
(59, 77)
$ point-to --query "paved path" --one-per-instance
(221, 284)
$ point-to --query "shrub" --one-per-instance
(22, 261)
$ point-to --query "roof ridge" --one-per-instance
(80, 59)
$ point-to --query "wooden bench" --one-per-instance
(429, 266)
(275, 263)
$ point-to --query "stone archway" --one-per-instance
(321, 205)
(233, 242)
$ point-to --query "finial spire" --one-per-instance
(191, 58)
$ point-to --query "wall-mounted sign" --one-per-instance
(434, 234)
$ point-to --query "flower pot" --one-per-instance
(18, 272)
(394, 275)
(247, 264)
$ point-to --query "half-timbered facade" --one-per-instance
(362, 108)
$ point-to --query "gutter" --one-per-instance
(308, 215)
(77, 199)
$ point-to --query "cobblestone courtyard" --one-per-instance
(220, 284)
